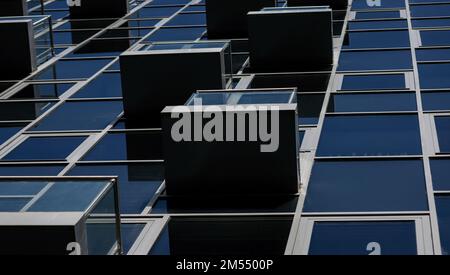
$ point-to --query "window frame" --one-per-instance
(305, 230)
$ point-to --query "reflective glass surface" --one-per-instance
(370, 135)
(367, 185)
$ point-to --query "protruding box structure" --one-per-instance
(17, 52)
(290, 39)
(59, 216)
(333, 4)
(99, 9)
(235, 156)
(166, 74)
(227, 19)
(13, 8)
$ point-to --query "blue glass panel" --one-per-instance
(30, 170)
(443, 212)
(435, 38)
(12, 204)
(378, 15)
(154, 12)
(177, 34)
(370, 135)
(353, 238)
(443, 132)
(38, 91)
(105, 85)
(430, 23)
(434, 76)
(374, 82)
(375, 25)
(90, 115)
(188, 19)
(138, 182)
(128, 146)
(8, 130)
(18, 188)
(364, 4)
(71, 69)
(372, 102)
(367, 185)
(376, 39)
(44, 148)
(430, 10)
(440, 171)
(435, 101)
(68, 196)
(130, 232)
(375, 60)
(432, 54)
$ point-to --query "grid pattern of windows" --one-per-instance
(373, 126)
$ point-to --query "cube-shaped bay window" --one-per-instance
(29, 44)
(228, 18)
(233, 142)
(163, 74)
(290, 39)
(99, 9)
(60, 215)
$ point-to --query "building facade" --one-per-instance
(372, 88)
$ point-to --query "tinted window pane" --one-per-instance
(443, 212)
(378, 15)
(12, 204)
(130, 232)
(18, 188)
(354, 238)
(42, 91)
(375, 25)
(23, 110)
(68, 196)
(189, 19)
(106, 85)
(430, 10)
(30, 170)
(430, 23)
(443, 132)
(434, 75)
(433, 101)
(372, 102)
(435, 38)
(373, 82)
(7, 130)
(376, 39)
(90, 115)
(176, 34)
(309, 108)
(224, 236)
(138, 182)
(432, 54)
(375, 60)
(373, 135)
(69, 69)
(440, 171)
(45, 148)
(128, 146)
(154, 12)
(366, 185)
